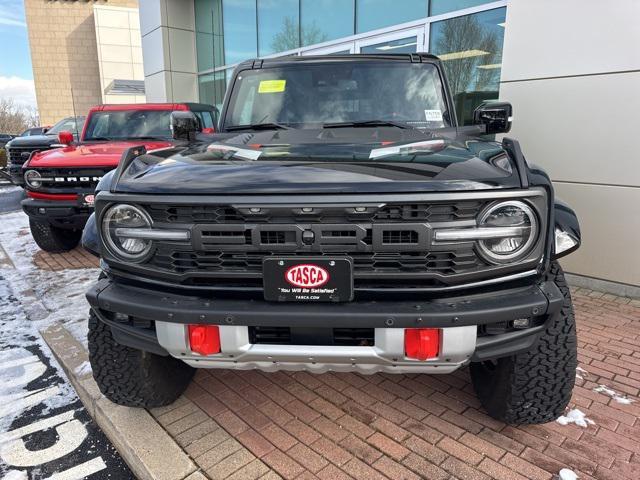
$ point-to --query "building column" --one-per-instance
(169, 50)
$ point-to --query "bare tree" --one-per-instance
(14, 119)
(289, 37)
(466, 35)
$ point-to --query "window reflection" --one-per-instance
(277, 26)
(209, 40)
(373, 14)
(403, 45)
(240, 31)
(471, 50)
(324, 20)
(444, 6)
(212, 88)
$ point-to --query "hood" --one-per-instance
(309, 161)
(33, 141)
(105, 154)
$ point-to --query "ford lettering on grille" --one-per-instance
(325, 237)
(307, 276)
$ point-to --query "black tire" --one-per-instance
(534, 386)
(131, 377)
(53, 239)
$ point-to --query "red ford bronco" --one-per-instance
(60, 183)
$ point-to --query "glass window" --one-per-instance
(363, 91)
(209, 38)
(240, 31)
(278, 28)
(470, 48)
(121, 124)
(373, 14)
(67, 124)
(403, 45)
(324, 20)
(206, 119)
(212, 87)
(444, 6)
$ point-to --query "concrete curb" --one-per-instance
(143, 443)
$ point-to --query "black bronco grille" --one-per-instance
(205, 214)
(366, 265)
(390, 243)
(18, 155)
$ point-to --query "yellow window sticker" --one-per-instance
(272, 86)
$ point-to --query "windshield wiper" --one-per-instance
(98, 139)
(260, 126)
(368, 123)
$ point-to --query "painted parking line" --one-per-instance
(45, 432)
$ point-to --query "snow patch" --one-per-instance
(613, 394)
(575, 416)
(60, 293)
(566, 474)
(31, 300)
(15, 475)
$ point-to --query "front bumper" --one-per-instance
(458, 317)
(61, 214)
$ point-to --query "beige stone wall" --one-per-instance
(64, 54)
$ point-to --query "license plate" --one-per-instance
(308, 279)
(87, 199)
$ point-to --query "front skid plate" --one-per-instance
(457, 346)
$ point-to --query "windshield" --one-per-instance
(67, 125)
(128, 124)
(315, 94)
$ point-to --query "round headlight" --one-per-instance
(121, 226)
(519, 220)
(33, 178)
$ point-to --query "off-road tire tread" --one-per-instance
(534, 386)
(53, 239)
(131, 377)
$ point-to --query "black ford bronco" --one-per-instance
(341, 220)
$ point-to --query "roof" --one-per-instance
(151, 106)
(125, 87)
(357, 57)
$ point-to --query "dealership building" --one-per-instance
(84, 53)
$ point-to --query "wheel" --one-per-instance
(534, 386)
(54, 239)
(131, 377)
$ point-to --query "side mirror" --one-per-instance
(65, 138)
(209, 130)
(184, 125)
(496, 116)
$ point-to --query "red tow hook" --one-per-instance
(204, 339)
(422, 343)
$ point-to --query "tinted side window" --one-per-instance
(206, 119)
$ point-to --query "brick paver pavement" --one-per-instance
(76, 258)
(249, 424)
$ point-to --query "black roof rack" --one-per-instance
(398, 57)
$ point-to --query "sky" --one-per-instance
(16, 76)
